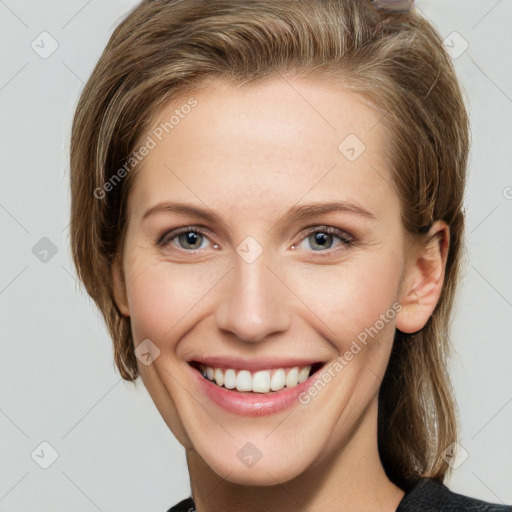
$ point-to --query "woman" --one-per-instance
(267, 207)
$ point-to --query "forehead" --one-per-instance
(265, 145)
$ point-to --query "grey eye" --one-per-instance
(321, 240)
(190, 240)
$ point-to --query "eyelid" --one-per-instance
(341, 233)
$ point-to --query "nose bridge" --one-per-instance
(253, 304)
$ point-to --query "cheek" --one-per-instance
(350, 298)
(342, 300)
(161, 295)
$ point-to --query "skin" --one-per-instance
(249, 154)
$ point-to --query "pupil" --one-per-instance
(322, 239)
(191, 238)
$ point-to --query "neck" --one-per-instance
(351, 478)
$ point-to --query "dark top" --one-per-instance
(423, 495)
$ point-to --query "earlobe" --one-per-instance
(424, 280)
(119, 288)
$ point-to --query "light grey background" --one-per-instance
(58, 383)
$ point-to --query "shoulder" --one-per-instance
(187, 505)
(423, 495)
(429, 495)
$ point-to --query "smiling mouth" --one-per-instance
(262, 381)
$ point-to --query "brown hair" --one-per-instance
(165, 48)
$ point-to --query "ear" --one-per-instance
(424, 279)
(119, 288)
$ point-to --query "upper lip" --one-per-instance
(254, 364)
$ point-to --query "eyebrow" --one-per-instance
(296, 213)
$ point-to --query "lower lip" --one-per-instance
(249, 403)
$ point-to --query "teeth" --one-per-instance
(229, 379)
(219, 377)
(244, 381)
(292, 378)
(303, 374)
(278, 380)
(262, 381)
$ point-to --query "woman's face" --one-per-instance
(255, 288)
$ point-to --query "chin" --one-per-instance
(276, 469)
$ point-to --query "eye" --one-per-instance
(322, 238)
(188, 238)
(192, 238)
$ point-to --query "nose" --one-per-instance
(255, 301)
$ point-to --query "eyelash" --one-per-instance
(345, 238)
